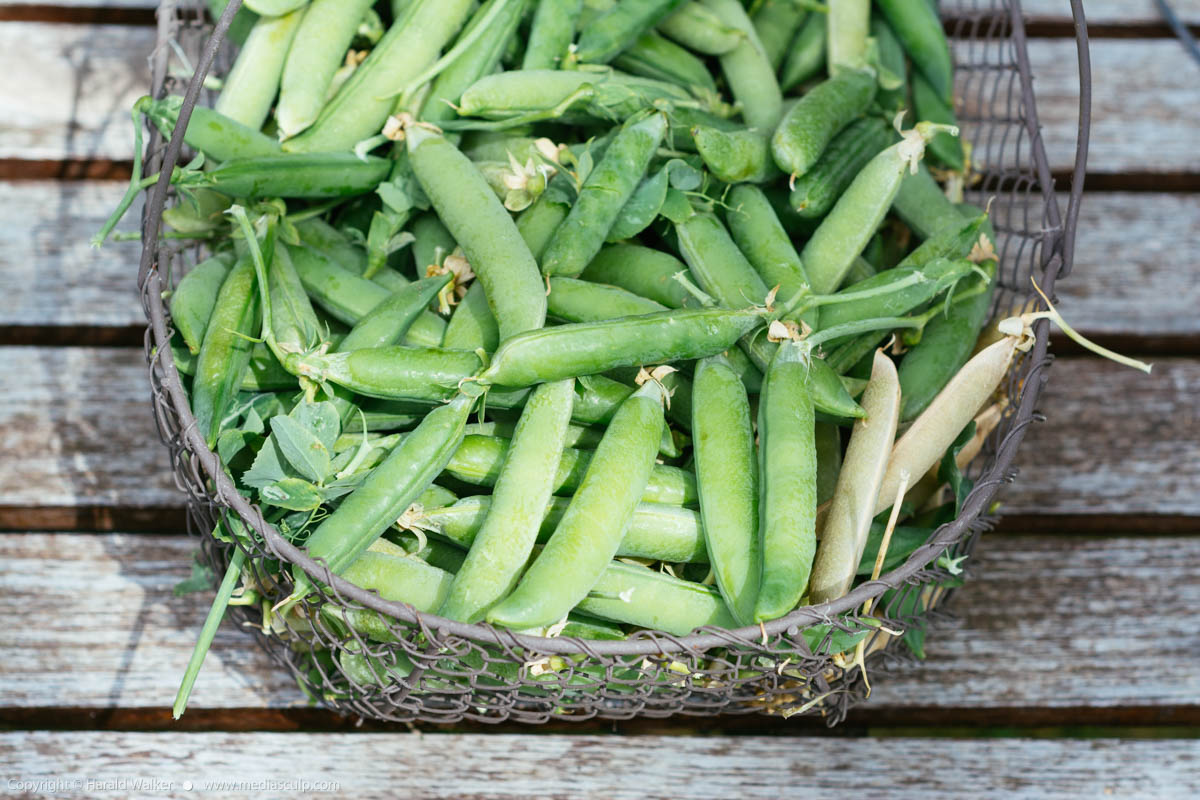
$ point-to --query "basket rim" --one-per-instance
(1055, 260)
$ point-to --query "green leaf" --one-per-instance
(839, 640)
(268, 466)
(293, 494)
(949, 472)
(684, 176)
(905, 539)
(230, 443)
(201, 580)
(300, 446)
(676, 207)
(320, 418)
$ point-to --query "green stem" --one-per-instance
(260, 272)
(862, 326)
(209, 631)
(136, 184)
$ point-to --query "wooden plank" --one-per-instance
(49, 274)
(101, 629)
(81, 419)
(82, 79)
(1111, 12)
(468, 766)
(77, 85)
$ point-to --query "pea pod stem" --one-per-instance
(207, 633)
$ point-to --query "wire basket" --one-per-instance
(423, 667)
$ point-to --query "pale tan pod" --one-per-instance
(851, 510)
(926, 440)
(986, 421)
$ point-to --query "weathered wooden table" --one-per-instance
(1074, 668)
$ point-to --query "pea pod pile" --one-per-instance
(548, 313)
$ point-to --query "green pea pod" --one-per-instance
(945, 345)
(574, 300)
(597, 398)
(386, 323)
(917, 26)
(748, 69)
(317, 52)
(829, 393)
(953, 240)
(657, 531)
(848, 23)
(760, 236)
(522, 490)
(814, 193)
(538, 223)
(931, 279)
(643, 271)
(829, 460)
(653, 56)
(788, 465)
(727, 479)
(302, 176)
(590, 532)
(264, 373)
(253, 81)
(736, 156)
(319, 234)
(551, 33)
(193, 299)
(776, 23)
(806, 130)
(387, 491)
(639, 596)
(807, 55)
(844, 232)
(616, 29)
(607, 188)
(398, 578)
(483, 228)
(720, 268)
(210, 132)
(892, 59)
(588, 348)
(944, 149)
(697, 28)
(480, 59)
(398, 372)
(479, 460)
(243, 20)
(293, 321)
(360, 108)
(472, 326)
(225, 350)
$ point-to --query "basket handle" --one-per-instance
(1081, 138)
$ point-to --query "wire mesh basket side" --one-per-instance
(418, 666)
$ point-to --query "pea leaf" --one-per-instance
(301, 448)
(201, 580)
(676, 207)
(905, 539)
(320, 418)
(641, 208)
(684, 176)
(949, 472)
(268, 466)
(292, 493)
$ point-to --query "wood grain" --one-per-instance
(472, 767)
(1111, 12)
(1045, 622)
(82, 80)
(80, 417)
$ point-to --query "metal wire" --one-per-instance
(419, 666)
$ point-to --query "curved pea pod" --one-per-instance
(657, 531)
(398, 578)
(538, 223)
(317, 52)
(806, 130)
(814, 193)
(362, 105)
(591, 529)
(923, 206)
(587, 348)
(522, 490)
(954, 240)
(637, 595)
(642, 270)
(848, 23)
(748, 69)
(829, 393)
(945, 346)
(480, 458)
(619, 27)
(653, 56)
(760, 236)
(524, 95)
(927, 438)
(388, 490)
(727, 479)
(697, 28)
(388, 321)
(574, 300)
(916, 24)
(848, 522)
(806, 58)
(193, 299)
(776, 23)
(550, 33)
(264, 373)
(225, 350)
(210, 132)
(597, 398)
(472, 326)
(253, 81)
(397, 372)
(303, 176)
(945, 149)
(788, 468)
(720, 268)
(483, 228)
(893, 60)
(607, 189)
(912, 287)
(844, 232)
(736, 156)
(319, 234)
